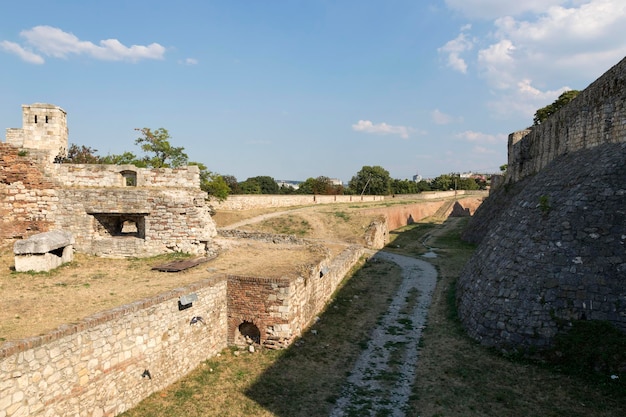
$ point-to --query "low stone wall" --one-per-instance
(254, 201)
(97, 366)
(405, 214)
(107, 363)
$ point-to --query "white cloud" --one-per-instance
(24, 54)
(491, 9)
(546, 41)
(482, 138)
(454, 48)
(442, 118)
(367, 126)
(54, 42)
(190, 61)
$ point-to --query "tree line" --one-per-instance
(158, 152)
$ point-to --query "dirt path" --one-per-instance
(382, 378)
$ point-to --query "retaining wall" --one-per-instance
(95, 367)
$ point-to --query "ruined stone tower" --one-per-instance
(44, 127)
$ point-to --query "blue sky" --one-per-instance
(298, 89)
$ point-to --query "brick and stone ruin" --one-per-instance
(110, 210)
(553, 236)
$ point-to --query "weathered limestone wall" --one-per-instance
(552, 244)
(282, 307)
(112, 210)
(96, 175)
(162, 220)
(95, 367)
(596, 116)
(254, 201)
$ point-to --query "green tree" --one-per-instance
(371, 180)
(442, 183)
(249, 187)
(126, 158)
(232, 183)
(543, 113)
(403, 186)
(467, 184)
(320, 185)
(266, 185)
(212, 183)
(160, 153)
(81, 155)
(423, 185)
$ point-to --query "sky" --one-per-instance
(297, 89)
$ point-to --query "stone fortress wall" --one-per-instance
(553, 237)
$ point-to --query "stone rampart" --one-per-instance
(404, 214)
(134, 221)
(108, 362)
(551, 240)
(596, 116)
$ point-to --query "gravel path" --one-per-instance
(382, 378)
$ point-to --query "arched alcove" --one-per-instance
(249, 332)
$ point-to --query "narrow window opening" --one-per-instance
(129, 178)
(35, 118)
(47, 119)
